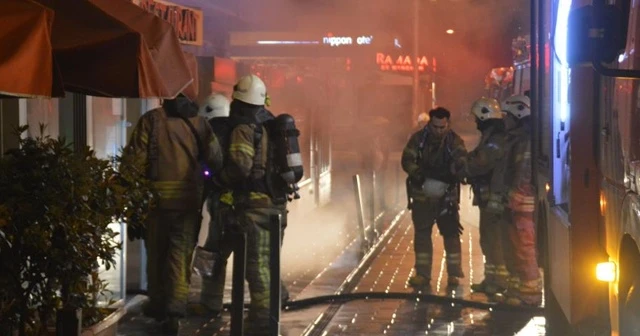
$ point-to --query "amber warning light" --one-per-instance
(606, 271)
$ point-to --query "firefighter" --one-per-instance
(217, 247)
(172, 140)
(433, 193)
(216, 106)
(245, 171)
(525, 287)
(484, 170)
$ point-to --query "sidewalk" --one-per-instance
(331, 252)
(327, 267)
(391, 271)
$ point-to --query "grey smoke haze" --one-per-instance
(483, 30)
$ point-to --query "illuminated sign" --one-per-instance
(404, 63)
(336, 41)
(186, 21)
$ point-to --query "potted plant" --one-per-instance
(55, 209)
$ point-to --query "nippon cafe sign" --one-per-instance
(336, 41)
(187, 21)
(404, 63)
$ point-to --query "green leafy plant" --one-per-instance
(55, 209)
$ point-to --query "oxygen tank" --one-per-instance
(288, 157)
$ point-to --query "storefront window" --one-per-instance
(324, 146)
(9, 120)
(106, 134)
(43, 112)
(107, 118)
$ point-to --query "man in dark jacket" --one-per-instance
(434, 192)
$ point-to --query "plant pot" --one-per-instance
(107, 327)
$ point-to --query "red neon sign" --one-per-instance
(404, 63)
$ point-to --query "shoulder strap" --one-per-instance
(198, 140)
(152, 147)
(423, 138)
(258, 133)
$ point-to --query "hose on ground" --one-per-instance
(425, 298)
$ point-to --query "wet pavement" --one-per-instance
(387, 270)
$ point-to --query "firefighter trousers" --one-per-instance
(171, 239)
(256, 223)
(222, 243)
(491, 242)
(424, 216)
(519, 241)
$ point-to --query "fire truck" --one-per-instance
(585, 94)
(499, 83)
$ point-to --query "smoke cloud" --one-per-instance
(356, 108)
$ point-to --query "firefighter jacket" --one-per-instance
(484, 168)
(246, 166)
(426, 156)
(521, 189)
(170, 149)
(221, 127)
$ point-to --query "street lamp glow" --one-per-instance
(449, 31)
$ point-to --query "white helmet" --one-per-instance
(517, 105)
(486, 108)
(216, 105)
(251, 90)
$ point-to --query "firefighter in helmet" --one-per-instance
(525, 287)
(210, 260)
(164, 138)
(484, 170)
(244, 172)
(216, 106)
(433, 193)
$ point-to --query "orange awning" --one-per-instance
(27, 68)
(113, 48)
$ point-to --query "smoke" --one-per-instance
(365, 117)
(311, 243)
